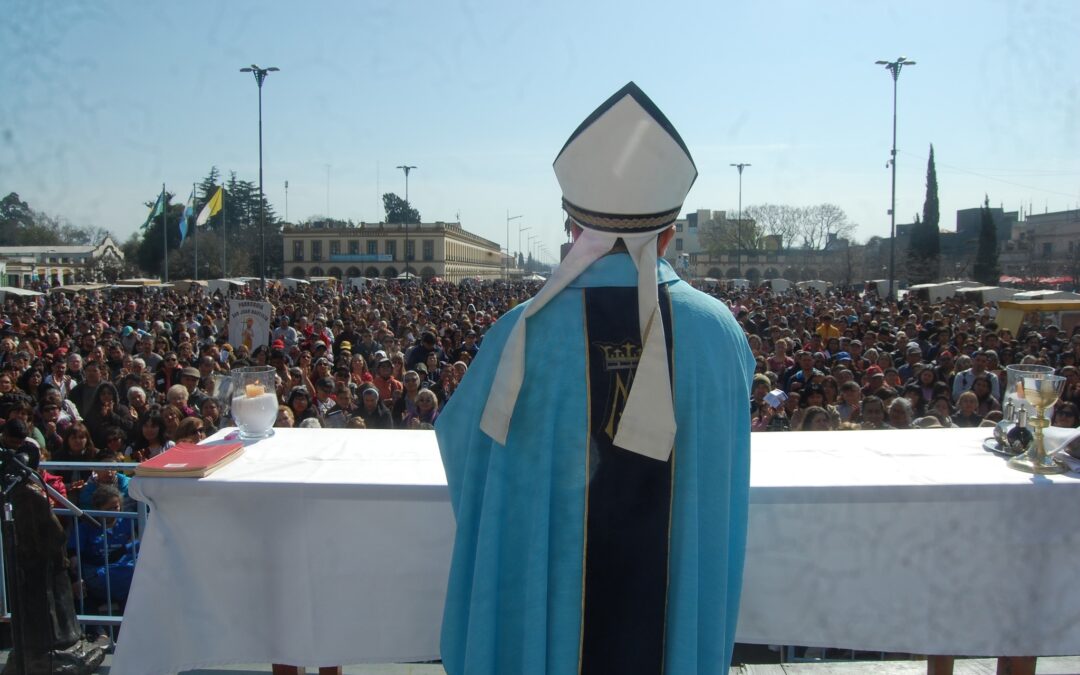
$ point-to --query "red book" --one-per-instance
(188, 460)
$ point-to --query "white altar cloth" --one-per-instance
(325, 547)
(314, 547)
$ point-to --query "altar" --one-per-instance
(325, 547)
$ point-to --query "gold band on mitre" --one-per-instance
(617, 222)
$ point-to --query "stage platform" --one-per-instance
(1047, 665)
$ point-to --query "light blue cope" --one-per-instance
(515, 598)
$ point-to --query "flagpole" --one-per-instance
(194, 231)
(224, 239)
(165, 234)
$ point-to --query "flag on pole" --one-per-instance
(189, 211)
(159, 205)
(211, 208)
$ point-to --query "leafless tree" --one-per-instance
(820, 221)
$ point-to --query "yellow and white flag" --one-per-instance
(211, 208)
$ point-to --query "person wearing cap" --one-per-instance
(371, 409)
(912, 360)
(578, 548)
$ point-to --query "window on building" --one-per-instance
(678, 243)
(335, 247)
(391, 249)
(678, 227)
(1048, 248)
(298, 250)
(410, 249)
(373, 247)
(316, 250)
(354, 247)
(429, 250)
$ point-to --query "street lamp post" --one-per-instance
(533, 241)
(508, 219)
(520, 230)
(406, 168)
(738, 236)
(894, 68)
(260, 75)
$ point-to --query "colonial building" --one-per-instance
(1043, 245)
(27, 266)
(371, 250)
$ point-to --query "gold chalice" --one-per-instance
(1041, 392)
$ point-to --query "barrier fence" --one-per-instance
(101, 577)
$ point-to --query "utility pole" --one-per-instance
(738, 231)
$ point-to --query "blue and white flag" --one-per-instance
(189, 212)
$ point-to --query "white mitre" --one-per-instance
(624, 173)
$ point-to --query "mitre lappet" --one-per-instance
(624, 174)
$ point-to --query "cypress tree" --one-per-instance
(987, 271)
(924, 252)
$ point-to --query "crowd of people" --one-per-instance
(124, 375)
(850, 361)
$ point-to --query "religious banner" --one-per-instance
(249, 323)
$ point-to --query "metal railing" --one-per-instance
(106, 611)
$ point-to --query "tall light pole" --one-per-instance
(407, 168)
(520, 230)
(894, 67)
(738, 236)
(260, 75)
(508, 219)
(533, 240)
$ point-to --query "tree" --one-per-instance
(924, 251)
(778, 220)
(725, 236)
(398, 210)
(987, 270)
(821, 221)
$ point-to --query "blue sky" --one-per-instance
(104, 101)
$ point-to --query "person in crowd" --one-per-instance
(815, 418)
(967, 410)
(1065, 415)
(171, 416)
(107, 554)
(153, 438)
(191, 430)
(106, 412)
(873, 414)
(405, 405)
(425, 412)
(137, 401)
(385, 382)
(372, 409)
(106, 476)
(210, 411)
(299, 401)
(900, 413)
(82, 394)
(981, 387)
(965, 380)
(77, 446)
